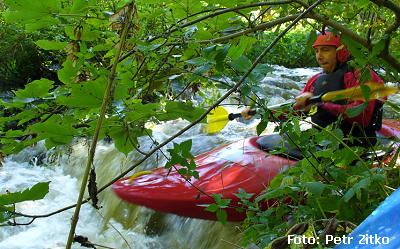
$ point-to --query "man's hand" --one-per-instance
(245, 114)
(302, 101)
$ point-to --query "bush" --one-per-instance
(291, 51)
(20, 61)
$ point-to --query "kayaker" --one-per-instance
(332, 56)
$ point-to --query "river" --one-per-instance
(117, 224)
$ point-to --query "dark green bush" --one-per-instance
(20, 61)
(291, 51)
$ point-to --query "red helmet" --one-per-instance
(330, 39)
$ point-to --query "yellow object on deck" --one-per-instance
(137, 174)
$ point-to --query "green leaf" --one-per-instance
(138, 111)
(123, 3)
(36, 14)
(223, 203)
(122, 90)
(245, 42)
(180, 155)
(203, 35)
(242, 64)
(25, 116)
(35, 89)
(199, 61)
(329, 203)
(209, 52)
(327, 153)
(37, 192)
(122, 139)
(41, 24)
(378, 178)
(69, 72)
(126, 139)
(56, 130)
(218, 207)
(315, 188)
(356, 50)
(175, 110)
(377, 49)
(222, 216)
(262, 70)
(51, 45)
(86, 95)
(243, 195)
(202, 69)
(188, 53)
(102, 47)
(212, 208)
(356, 189)
(220, 58)
(311, 37)
(183, 171)
(80, 6)
(366, 92)
(345, 157)
(261, 126)
(357, 110)
(186, 147)
(83, 33)
(362, 3)
(276, 193)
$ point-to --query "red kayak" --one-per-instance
(223, 171)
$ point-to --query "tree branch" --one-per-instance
(14, 223)
(262, 26)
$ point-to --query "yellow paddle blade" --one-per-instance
(217, 119)
(355, 93)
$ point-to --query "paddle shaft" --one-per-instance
(310, 101)
(376, 91)
(232, 116)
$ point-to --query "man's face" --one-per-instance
(326, 57)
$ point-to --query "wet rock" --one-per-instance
(2, 157)
(283, 83)
(156, 224)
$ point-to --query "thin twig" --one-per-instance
(14, 223)
(259, 27)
